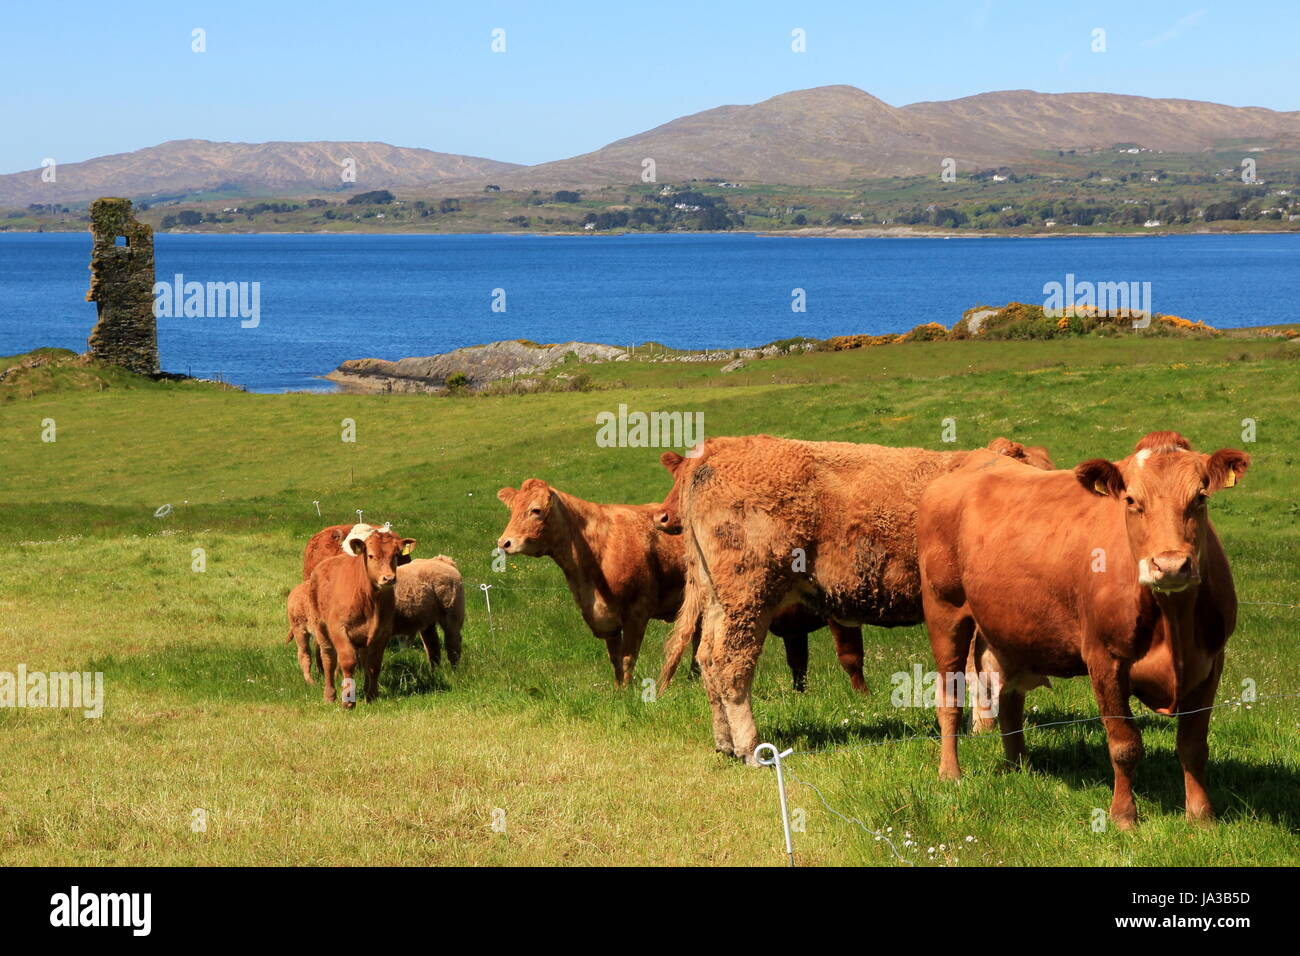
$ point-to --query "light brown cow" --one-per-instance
(1112, 570)
(298, 608)
(431, 595)
(792, 624)
(352, 605)
(772, 522)
(622, 573)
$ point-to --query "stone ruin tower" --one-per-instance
(121, 286)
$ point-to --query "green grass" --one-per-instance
(205, 707)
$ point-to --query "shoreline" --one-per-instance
(810, 232)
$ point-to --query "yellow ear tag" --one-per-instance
(1231, 479)
(1100, 489)
(406, 549)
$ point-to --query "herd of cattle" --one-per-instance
(1020, 571)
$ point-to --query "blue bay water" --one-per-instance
(326, 298)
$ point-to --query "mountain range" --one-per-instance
(822, 136)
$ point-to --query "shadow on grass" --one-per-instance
(1078, 757)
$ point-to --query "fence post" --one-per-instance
(488, 600)
(773, 757)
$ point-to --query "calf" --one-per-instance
(430, 595)
(351, 610)
(299, 613)
(1113, 570)
(622, 572)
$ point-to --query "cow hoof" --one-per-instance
(1125, 822)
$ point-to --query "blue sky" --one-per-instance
(81, 79)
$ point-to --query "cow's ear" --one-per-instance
(670, 460)
(1226, 467)
(338, 534)
(408, 545)
(1005, 446)
(506, 495)
(357, 545)
(1101, 477)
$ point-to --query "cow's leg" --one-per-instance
(848, 648)
(329, 662)
(796, 655)
(432, 645)
(347, 663)
(1110, 685)
(633, 634)
(451, 632)
(614, 645)
(695, 651)
(374, 662)
(303, 640)
(741, 637)
(951, 632)
(710, 622)
(1194, 744)
(982, 719)
(1011, 721)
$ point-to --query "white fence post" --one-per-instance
(773, 757)
(488, 599)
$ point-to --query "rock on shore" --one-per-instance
(480, 364)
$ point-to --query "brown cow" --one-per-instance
(792, 624)
(772, 522)
(1112, 570)
(622, 573)
(352, 605)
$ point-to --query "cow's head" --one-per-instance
(668, 517)
(532, 507)
(1164, 487)
(1035, 456)
(381, 550)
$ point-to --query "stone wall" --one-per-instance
(121, 286)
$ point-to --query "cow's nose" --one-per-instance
(1173, 564)
(504, 544)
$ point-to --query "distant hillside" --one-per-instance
(187, 166)
(824, 136)
(833, 134)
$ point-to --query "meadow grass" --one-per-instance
(205, 707)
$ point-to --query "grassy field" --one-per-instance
(205, 708)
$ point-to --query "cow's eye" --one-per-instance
(537, 512)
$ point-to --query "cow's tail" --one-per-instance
(290, 637)
(685, 628)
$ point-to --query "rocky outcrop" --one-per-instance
(471, 367)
